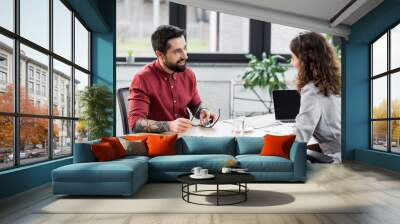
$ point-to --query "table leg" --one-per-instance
(217, 194)
(188, 190)
(245, 193)
(196, 188)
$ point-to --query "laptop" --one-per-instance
(286, 105)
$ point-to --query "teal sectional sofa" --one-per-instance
(125, 176)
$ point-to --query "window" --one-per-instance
(3, 73)
(43, 90)
(7, 14)
(6, 142)
(62, 140)
(395, 47)
(214, 32)
(52, 125)
(33, 149)
(81, 45)
(6, 73)
(385, 97)
(62, 29)
(63, 73)
(3, 61)
(3, 80)
(211, 36)
(379, 56)
(38, 89)
(30, 72)
(55, 103)
(37, 75)
(39, 62)
(81, 81)
(281, 36)
(30, 87)
(34, 21)
(136, 21)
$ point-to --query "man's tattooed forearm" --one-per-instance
(145, 125)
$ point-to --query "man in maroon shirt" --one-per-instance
(162, 91)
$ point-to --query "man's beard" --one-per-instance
(174, 66)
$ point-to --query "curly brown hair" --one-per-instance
(318, 63)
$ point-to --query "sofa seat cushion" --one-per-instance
(112, 171)
(133, 158)
(199, 145)
(185, 163)
(257, 163)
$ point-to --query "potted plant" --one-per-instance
(130, 59)
(96, 102)
(264, 73)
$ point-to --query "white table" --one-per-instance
(225, 128)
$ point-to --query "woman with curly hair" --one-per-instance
(318, 81)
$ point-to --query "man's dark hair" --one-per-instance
(163, 33)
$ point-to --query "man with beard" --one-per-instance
(162, 91)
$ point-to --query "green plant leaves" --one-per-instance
(96, 102)
(265, 72)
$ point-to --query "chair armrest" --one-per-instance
(298, 156)
(83, 152)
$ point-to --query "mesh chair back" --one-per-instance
(122, 95)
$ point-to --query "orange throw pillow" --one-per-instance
(277, 145)
(103, 152)
(116, 145)
(136, 137)
(161, 145)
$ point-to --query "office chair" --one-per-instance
(122, 95)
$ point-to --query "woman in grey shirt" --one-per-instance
(318, 81)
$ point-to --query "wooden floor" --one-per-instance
(378, 188)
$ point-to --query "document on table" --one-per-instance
(256, 122)
(281, 129)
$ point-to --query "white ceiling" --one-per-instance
(315, 15)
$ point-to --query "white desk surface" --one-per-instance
(265, 124)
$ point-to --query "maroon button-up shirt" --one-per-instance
(157, 95)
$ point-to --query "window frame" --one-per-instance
(388, 74)
(259, 41)
(16, 114)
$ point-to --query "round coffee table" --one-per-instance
(238, 179)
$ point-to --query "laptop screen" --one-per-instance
(286, 104)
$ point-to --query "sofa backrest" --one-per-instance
(249, 145)
(83, 152)
(190, 145)
(194, 145)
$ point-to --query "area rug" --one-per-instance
(167, 198)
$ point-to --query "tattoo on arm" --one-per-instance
(145, 125)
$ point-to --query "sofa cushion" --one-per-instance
(198, 145)
(129, 159)
(161, 145)
(257, 163)
(249, 145)
(83, 152)
(116, 145)
(185, 163)
(136, 147)
(103, 152)
(136, 137)
(112, 171)
(277, 145)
